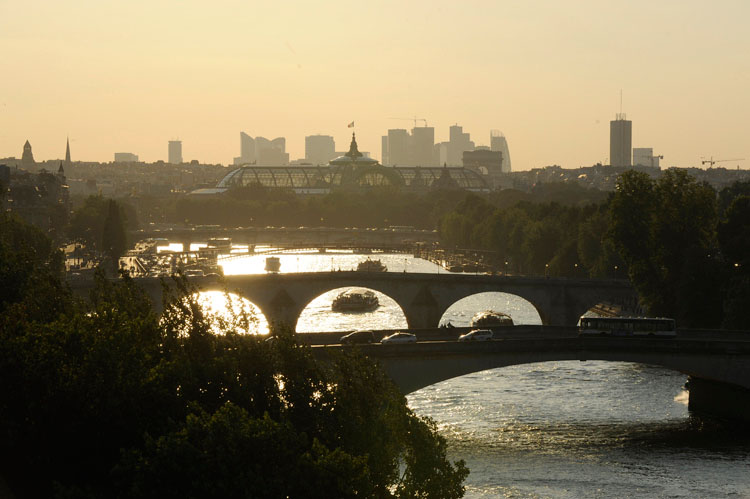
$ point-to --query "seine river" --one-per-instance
(553, 429)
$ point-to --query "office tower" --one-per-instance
(247, 148)
(384, 150)
(498, 143)
(458, 143)
(644, 156)
(398, 147)
(67, 152)
(271, 152)
(126, 157)
(319, 149)
(27, 159)
(422, 146)
(175, 152)
(620, 141)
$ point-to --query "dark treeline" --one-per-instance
(683, 246)
(379, 207)
(109, 400)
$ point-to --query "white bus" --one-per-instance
(627, 326)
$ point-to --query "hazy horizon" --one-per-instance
(128, 77)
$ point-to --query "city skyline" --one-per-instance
(548, 76)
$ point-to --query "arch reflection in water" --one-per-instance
(521, 311)
(218, 303)
(318, 317)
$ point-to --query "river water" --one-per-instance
(555, 429)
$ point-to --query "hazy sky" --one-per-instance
(129, 76)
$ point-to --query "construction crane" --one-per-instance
(415, 119)
(712, 160)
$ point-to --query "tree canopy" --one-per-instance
(110, 400)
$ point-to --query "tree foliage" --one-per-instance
(110, 400)
(101, 224)
(666, 232)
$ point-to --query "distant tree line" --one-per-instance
(109, 400)
(259, 206)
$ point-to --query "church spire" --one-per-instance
(67, 152)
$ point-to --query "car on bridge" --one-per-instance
(399, 337)
(477, 335)
(358, 338)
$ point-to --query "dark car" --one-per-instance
(358, 337)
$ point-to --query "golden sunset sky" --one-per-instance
(129, 76)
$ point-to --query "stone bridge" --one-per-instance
(423, 298)
(717, 362)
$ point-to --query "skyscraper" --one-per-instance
(247, 148)
(498, 143)
(422, 146)
(398, 147)
(319, 149)
(271, 152)
(175, 152)
(620, 141)
(458, 143)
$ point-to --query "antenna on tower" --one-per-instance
(620, 115)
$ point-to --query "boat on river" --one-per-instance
(490, 318)
(355, 300)
(371, 266)
(273, 264)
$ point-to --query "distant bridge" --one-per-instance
(423, 298)
(309, 236)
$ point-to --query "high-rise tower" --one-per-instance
(175, 152)
(620, 141)
(498, 143)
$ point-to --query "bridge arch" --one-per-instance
(521, 310)
(317, 315)
(219, 302)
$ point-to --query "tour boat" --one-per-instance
(491, 318)
(355, 300)
(371, 266)
(273, 264)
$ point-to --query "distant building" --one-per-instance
(27, 159)
(458, 143)
(485, 162)
(620, 141)
(260, 150)
(126, 157)
(422, 146)
(498, 143)
(175, 152)
(644, 156)
(398, 147)
(319, 149)
(353, 170)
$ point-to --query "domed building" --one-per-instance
(353, 171)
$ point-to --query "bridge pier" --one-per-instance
(715, 398)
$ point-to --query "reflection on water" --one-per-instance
(584, 429)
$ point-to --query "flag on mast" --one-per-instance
(350, 125)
